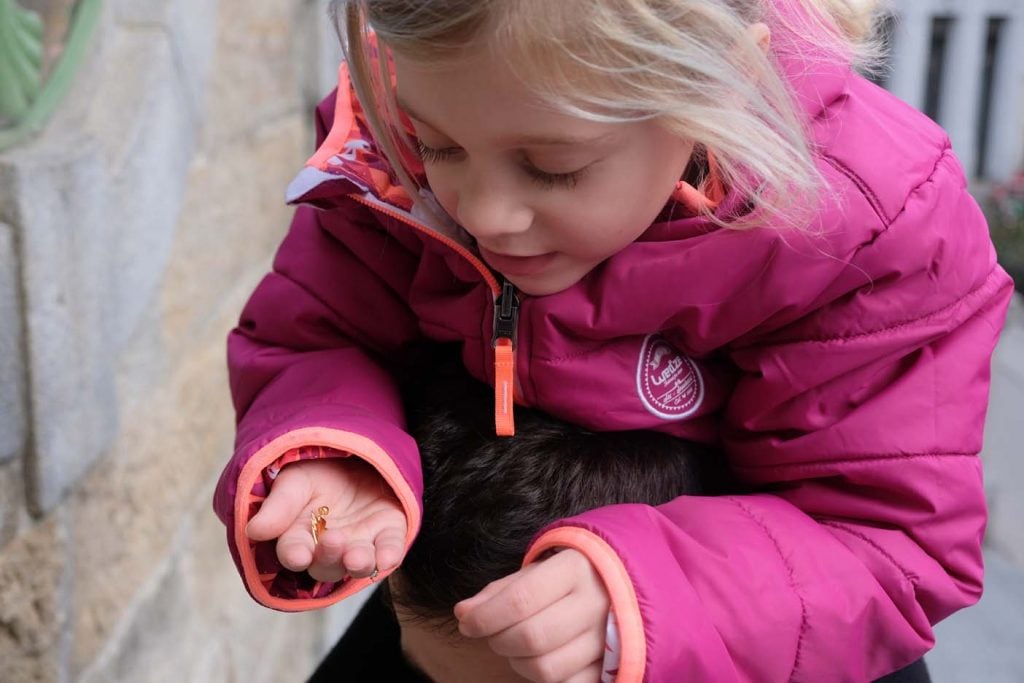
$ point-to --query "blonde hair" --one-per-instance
(692, 65)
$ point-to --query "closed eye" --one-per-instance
(552, 180)
(544, 179)
(430, 155)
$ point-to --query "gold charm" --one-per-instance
(318, 523)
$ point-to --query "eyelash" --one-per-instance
(548, 181)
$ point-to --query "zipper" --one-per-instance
(492, 282)
(503, 341)
(506, 319)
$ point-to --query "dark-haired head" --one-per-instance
(486, 497)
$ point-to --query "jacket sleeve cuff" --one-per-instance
(625, 606)
(667, 631)
(269, 583)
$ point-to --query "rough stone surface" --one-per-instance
(150, 207)
(255, 79)
(157, 627)
(171, 383)
(146, 185)
(263, 645)
(12, 409)
(192, 27)
(322, 51)
(66, 284)
(95, 249)
(12, 500)
(8, 194)
(229, 229)
(177, 426)
(170, 634)
(126, 514)
(33, 574)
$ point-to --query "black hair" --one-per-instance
(485, 497)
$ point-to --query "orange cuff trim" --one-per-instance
(616, 579)
(349, 442)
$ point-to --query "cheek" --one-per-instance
(445, 189)
(604, 227)
(660, 159)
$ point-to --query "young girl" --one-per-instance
(690, 216)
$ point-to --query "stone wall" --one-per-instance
(131, 232)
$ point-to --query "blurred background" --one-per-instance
(144, 150)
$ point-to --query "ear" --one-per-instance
(760, 34)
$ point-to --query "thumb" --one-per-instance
(288, 497)
(463, 607)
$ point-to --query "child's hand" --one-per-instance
(365, 526)
(549, 619)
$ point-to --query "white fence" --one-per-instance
(962, 63)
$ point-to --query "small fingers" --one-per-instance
(297, 551)
(340, 553)
(359, 558)
(578, 661)
(390, 547)
(488, 591)
(294, 553)
(286, 500)
(559, 624)
(527, 592)
(592, 674)
(375, 544)
(326, 564)
(355, 551)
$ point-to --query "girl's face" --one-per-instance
(547, 196)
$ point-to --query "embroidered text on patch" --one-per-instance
(669, 383)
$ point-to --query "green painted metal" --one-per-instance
(23, 99)
(21, 59)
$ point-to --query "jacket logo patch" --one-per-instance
(669, 383)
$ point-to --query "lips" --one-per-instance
(517, 265)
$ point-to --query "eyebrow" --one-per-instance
(522, 140)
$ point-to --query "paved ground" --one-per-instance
(985, 643)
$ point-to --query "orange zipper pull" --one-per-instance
(506, 319)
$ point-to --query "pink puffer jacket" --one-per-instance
(844, 370)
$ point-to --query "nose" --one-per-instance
(489, 212)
